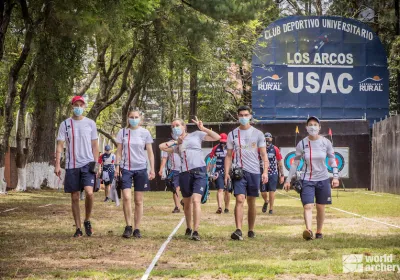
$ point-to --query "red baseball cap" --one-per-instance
(224, 138)
(77, 98)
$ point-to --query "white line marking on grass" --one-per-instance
(347, 212)
(159, 253)
(8, 210)
(375, 194)
(45, 205)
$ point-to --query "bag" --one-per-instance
(118, 185)
(114, 193)
(236, 173)
(94, 167)
(229, 187)
(96, 184)
(297, 183)
(169, 183)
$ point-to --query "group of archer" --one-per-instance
(246, 142)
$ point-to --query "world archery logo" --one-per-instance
(270, 83)
(371, 84)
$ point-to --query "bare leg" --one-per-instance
(251, 203)
(265, 196)
(220, 197)
(138, 198)
(176, 197)
(196, 199)
(227, 198)
(187, 206)
(88, 202)
(75, 209)
(106, 190)
(320, 217)
(308, 215)
(239, 210)
(127, 196)
(271, 200)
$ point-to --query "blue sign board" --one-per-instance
(326, 66)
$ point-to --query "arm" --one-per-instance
(95, 149)
(162, 165)
(118, 157)
(332, 162)
(227, 165)
(168, 146)
(150, 155)
(59, 150)
(211, 135)
(264, 157)
(293, 167)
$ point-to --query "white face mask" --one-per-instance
(313, 130)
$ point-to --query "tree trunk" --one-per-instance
(12, 90)
(397, 28)
(246, 93)
(180, 98)
(21, 137)
(6, 8)
(193, 90)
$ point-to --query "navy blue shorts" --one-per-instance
(194, 181)
(175, 178)
(78, 178)
(248, 185)
(271, 185)
(219, 183)
(320, 190)
(140, 180)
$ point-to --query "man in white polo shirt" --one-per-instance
(80, 135)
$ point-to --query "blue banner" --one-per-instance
(330, 67)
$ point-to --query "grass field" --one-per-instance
(36, 240)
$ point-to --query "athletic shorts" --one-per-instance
(140, 180)
(193, 181)
(271, 185)
(320, 190)
(175, 178)
(219, 183)
(78, 178)
(111, 176)
(248, 185)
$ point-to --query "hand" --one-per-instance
(286, 186)
(226, 179)
(57, 171)
(116, 173)
(335, 183)
(152, 175)
(264, 178)
(180, 139)
(199, 123)
(281, 179)
(98, 174)
(160, 173)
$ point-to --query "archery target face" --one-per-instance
(341, 155)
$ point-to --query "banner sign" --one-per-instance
(326, 66)
(341, 154)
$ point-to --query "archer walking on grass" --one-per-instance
(247, 142)
(81, 157)
(192, 178)
(223, 194)
(133, 143)
(107, 161)
(275, 166)
(315, 177)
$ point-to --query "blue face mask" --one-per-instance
(244, 121)
(134, 122)
(177, 131)
(78, 111)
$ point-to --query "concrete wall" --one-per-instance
(385, 167)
